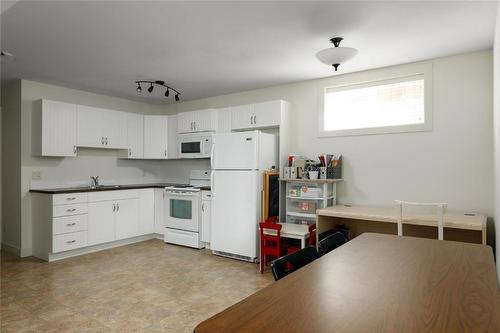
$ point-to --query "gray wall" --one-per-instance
(496, 89)
(11, 166)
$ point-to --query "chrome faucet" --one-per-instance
(94, 181)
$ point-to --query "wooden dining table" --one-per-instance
(377, 283)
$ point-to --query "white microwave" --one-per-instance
(195, 145)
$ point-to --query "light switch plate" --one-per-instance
(36, 174)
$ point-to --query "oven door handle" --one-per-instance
(193, 194)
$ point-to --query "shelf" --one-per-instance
(307, 198)
(316, 181)
(301, 215)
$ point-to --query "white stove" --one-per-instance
(183, 210)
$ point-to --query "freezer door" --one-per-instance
(235, 212)
(235, 151)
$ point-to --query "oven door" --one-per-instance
(181, 211)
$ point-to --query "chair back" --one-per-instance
(285, 265)
(440, 210)
(312, 235)
(270, 238)
(331, 242)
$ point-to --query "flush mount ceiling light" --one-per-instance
(336, 55)
(152, 84)
(7, 57)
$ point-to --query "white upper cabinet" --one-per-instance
(260, 115)
(101, 128)
(135, 136)
(55, 126)
(197, 121)
(242, 117)
(267, 114)
(156, 137)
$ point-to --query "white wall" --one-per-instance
(452, 163)
(496, 89)
(67, 171)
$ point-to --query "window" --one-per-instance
(387, 106)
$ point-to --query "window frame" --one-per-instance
(380, 77)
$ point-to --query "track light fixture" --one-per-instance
(158, 83)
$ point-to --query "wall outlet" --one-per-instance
(36, 175)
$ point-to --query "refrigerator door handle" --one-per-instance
(212, 154)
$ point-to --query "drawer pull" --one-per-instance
(70, 242)
(70, 199)
(71, 210)
(71, 224)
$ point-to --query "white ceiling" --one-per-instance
(213, 48)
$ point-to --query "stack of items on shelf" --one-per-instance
(327, 167)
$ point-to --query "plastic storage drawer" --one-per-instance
(304, 206)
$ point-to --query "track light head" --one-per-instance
(139, 88)
(150, 89)
(167, 93)
(176, 97)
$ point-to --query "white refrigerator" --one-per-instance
(238, 162)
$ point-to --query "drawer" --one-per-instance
(66, 210)
(300, 220)
(304, 206)
(71, 241)
(69, 198)
(67, 224)
(306, 191)
(206, 195)
(113, 195)
(181, 237)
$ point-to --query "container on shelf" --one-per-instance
(301, 220)
(304, 206)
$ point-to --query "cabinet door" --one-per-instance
(159, 211)
(135, 135)
(127, 218)
(172, 149)
(155, 137)
(206, 211)
(147, 211)
(267, 114)
(204, 120)
(115, 129)
(185, 122)
(242, 117)
(58, 129)
(90, 123)
(101, 222)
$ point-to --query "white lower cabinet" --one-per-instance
(127, 218)
(206, 212)
(159, 211)
(101, 223)
(64, 222)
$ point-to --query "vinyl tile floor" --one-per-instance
(144, 287)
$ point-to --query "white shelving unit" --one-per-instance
(305, 196)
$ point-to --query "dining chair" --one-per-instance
(439, 208)
(331, 242)
(270, 242)
(288, 264)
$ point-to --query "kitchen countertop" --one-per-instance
(78, 189)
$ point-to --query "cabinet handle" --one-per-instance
(72, 198)
(114, 207)
(251, 120)
(74, 149)
(71, 241)
(165, 152)
(117, 207)
(106, 141)
(71, 210)
(70, 224)
(102, 140)
(202, 207)
(130, 152)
